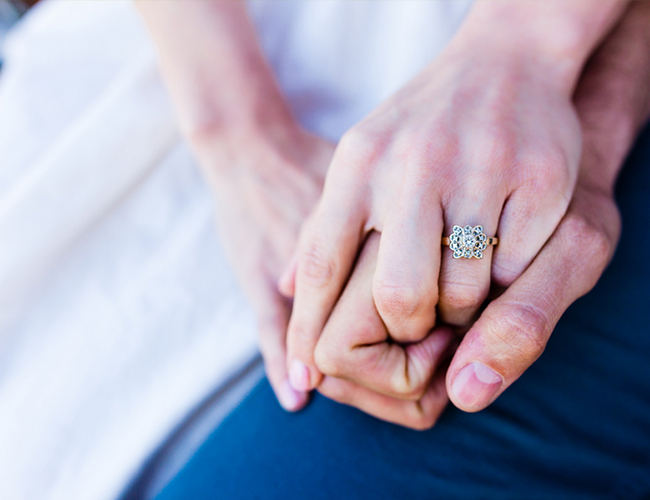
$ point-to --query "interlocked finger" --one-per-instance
(420, 415)
(405, 282)
(355, 345)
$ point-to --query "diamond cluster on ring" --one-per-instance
(468, 242)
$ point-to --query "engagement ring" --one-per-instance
(468, 242)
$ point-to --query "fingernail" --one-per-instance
(299, 375)
(290, 399)
(475, 385)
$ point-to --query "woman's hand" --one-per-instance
(613, 102)
(266, 171)
(260, 209)
(487, 134)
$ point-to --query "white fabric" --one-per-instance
(337, 60)
(118, 311)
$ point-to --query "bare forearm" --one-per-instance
(217, 75)
(555, 35)
(614, 96)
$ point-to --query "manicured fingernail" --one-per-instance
(289, 398)
(299, 375)
(475, 385)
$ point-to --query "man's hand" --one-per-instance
(402, 384)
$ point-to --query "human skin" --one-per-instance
(486, 134)
(265, 170)
(613, 102)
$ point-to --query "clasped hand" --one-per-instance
(379, 303)
(520, 125)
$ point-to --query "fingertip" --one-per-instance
(291, 399)
(475, 386)
(299, 376)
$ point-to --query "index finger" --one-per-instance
(326, 253)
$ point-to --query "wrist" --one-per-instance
(215, 102)
(552, 39)
(230, 157)
(223, 89)
(232, 114)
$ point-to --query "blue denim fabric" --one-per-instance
(576, 425)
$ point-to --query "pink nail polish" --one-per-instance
(299, 375)
(475, 385)
(289, 398)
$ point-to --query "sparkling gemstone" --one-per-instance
(468, 242)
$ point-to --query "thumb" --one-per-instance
(513, 330)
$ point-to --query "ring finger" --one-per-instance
(465, 266)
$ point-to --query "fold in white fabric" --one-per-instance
(118, 311)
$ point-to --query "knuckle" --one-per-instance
(496, 147)
(594, 243)
(523, 328)
(316, 266)
(421, 148)
(457, 295)
(481, 185)
(547, 174)
(361, 146)
(398, 301)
